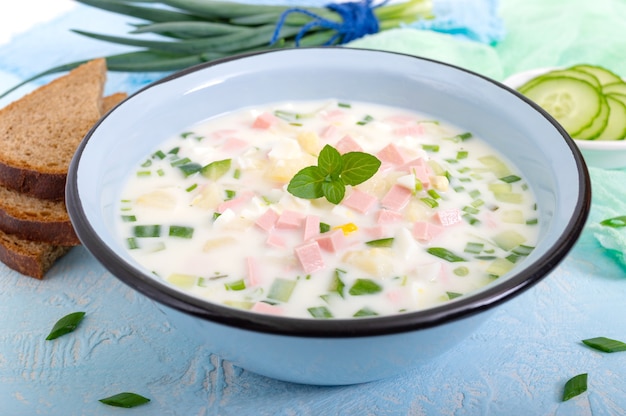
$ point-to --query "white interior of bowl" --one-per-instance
(488, 109)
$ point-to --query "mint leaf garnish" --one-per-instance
(125, 399)
(65, 325)
(331, 175)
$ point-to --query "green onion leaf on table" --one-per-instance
(65, 325)
(615, 222)
(605, 344)
(126, 400)
(575, 386)
(184, 33)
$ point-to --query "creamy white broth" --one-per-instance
(209, 232)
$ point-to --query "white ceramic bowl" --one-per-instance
(343, 351)
(608, 154)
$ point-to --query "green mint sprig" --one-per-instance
(332, 174)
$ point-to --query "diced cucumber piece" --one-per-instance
(615, 88)
(598, 124)
(616, 126)
(567, 73)
(602, 74)
(509, 239)
(281, 289)
(499, 267)
(496, 165)
(574, 103)
(184, 281)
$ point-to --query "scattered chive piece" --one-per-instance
(462, 154)
(382, 242)
(338, 285)
(533, 221)
(181, 162)
(160, 172)
(453, 295)
(192, 187)
(65, 325)
(189, 169)
(125, 399)
(236, 285)
(143, 173)
(434, 194)
(344, 105)
(146, 164)
(158, 155)
(364, 287)
(129, 218)
(174, 151)
(365, 120)
(522, 250)
(605, 344)
(474, 194)
(216, 215)
(445, 254)
(575, 386)
(320, 312)
(465, 136)
(146, 231)
(615, 222)
(430, 202)
(365, 312)
(132, 243)
(230, 194)
(431, 147)
(471, 220)
(237, 174)
(180, 231)
(324, 228)
(510, 178)
(186, 134)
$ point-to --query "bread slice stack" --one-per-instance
(39, 134)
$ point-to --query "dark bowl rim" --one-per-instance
(331, 328)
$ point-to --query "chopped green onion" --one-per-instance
(462, 154)
(445, 254)
(181, 231)
(65, 325)
(474, 193)
(523, 250)
(324, 228)
(189, 169)
(174, 151)
(365, 120)
(338, 285)
(431, 147)
(129, 218)
(366, 311)
(160, 172)
(216, 170)
(461, 271)
(230, 194)
(192, 187)
(158, 155)
(382, 242)
(320, 312)
(511, 179)
(146, 164)
(216, 215)
(430, 202)
(453, 295)
(236, 285)
(434, 194)
(147, 231)
(533, 221)
(186, 134)
(143, 173)
(615, 222)
(474, 248)
(471, 220)
(180, 162)
(131, 242)
(237, 174)
(605, 344)
(464, 136)
(125, 400)
(575, 386)
(470, 210)
(364, 287)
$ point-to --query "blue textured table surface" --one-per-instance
(515, 364)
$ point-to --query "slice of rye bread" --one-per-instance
(28, 257)
(40, 132)
(39, 219)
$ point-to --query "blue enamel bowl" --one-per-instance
(330, 352)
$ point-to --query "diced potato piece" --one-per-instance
(310, 142)
(377, 261)
(416, 211)
(209, 197)
(283, 170)
(160, 198)
(216, 243)
(439, 183)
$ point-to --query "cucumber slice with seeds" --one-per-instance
(598, 125)
(574, 103)
(602, 74)
(616, 126)
(569, 73)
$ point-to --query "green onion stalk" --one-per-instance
(183, 33)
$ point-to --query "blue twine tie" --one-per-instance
(357, 20)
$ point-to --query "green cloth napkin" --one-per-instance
(542, 33)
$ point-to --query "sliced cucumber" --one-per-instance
(574, 103)
(616, 126)
(615, 88)
(602, 74)
(598, 125)
(569, 73)
(618, 97)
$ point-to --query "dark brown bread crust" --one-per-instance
(29, 258)
(53, 232)
(39, 185)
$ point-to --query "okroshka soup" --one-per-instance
(327, 209)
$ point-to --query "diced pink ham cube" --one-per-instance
(310, 257)
(423, 174)
(254, 271)
(233, 143)
(392, 154)
(377, 232)
(334, 115)
(448, 217)
(359, 201)
(387, 216)
(412, 130)
(274, 239)
(263, 307)
(236, 202)
(332, 241)
(290, 220)
(267, 220)
(311, 227)
(264, 121)
(426, 231)
(347, 144)
(396, 198)
(419, 162)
